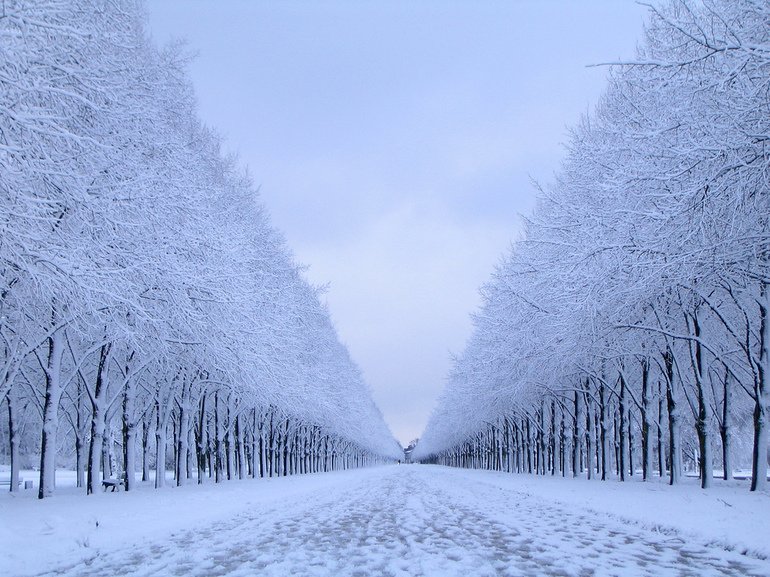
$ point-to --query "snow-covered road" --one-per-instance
(416, 520)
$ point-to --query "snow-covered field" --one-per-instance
(400, 520)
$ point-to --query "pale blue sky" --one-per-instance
(394, 143)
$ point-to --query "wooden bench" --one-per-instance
(114, 484)
(5, 480)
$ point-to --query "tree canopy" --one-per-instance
(142, 285)
(637, 299)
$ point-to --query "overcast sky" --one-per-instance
(395, 144)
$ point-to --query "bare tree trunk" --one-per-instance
(674, 421)
(53, 392)
(263, 449)
(182, 465)
(603, 429)
(544, 448)
(631, 440)
(80, 434)
(762, 397)
(129, 436)
(646, 426)
(257, 442)
(661, 424)
(274, 448)
(13, 439)
(554, 445)
(241, 442)
(285, 451)
(163, 414)
(702, 423)
(616, 442)
(576, 437)
(201, 440)
(622, 429)
(218, 457)
(146, 430)
(563, 445)
(529, 445)
(110, 462)
(589, 435)
(725, 429)
(98, 418)
(182, 438)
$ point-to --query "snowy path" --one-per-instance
(417, 521)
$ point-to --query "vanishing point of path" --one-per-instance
(418, 521)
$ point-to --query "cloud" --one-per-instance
(400, 297)
(394, 143)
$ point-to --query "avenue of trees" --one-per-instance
(628, 330)
(151, 318)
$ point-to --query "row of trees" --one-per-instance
(629, 327)
(146, 303)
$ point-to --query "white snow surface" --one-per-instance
(392, 521)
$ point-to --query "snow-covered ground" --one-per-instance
(399, 521)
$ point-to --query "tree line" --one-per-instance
(151, 317)
(628, 328)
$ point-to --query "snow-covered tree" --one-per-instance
(638, 294)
